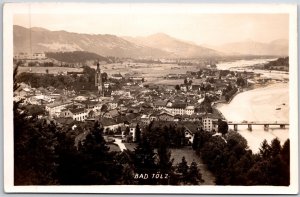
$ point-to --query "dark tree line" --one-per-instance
(34, 149)
(155, 158)
(86, 81)
(47, 155)
(233, 163)
(75, 56)
(174, 135)
(279, 64)
(229, 92)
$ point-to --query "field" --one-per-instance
(153, 73)
(51, 70)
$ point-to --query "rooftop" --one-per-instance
(59, 103)
(77, 111)
(190, 107)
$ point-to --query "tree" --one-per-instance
(127, 131)
(164, 160)
(104, 108)
(182, 169)
(119, 130)
(104, 77)
(47, 71)
(265, 150)
(98, 165)
(35, 110)
(34, 140)
(185, 81)
(137, 133)
(145, 160)
(240, 82)
(194, 176)
(275, 147)
(15, 73)
(196, 139)
(177, 87)
(70, 162)
(235, 138)
(285, 156)
(285, 152)
(34, 149)
(222, 127)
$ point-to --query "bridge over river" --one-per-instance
(266, 124)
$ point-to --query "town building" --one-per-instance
(116, 76)
(79, 114)
(114, 104)
(210, 122)
(98, 80)
(27, 56)
(132, 131)
(54, 109)
(111, 114)
(165, 116)
(180, 108)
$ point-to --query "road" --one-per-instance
(120, 144)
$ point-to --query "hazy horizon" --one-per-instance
(201, 29)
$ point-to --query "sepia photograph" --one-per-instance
(131, 98)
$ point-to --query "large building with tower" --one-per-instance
(98, 80)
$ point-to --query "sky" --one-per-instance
(209, 29)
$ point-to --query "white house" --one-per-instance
(79, 114)
(80, 98)
(55, 109)
(190, 110)
(116, 76)
(209, 122)
(113, 104)
(38, 56)
(132, 131)
(180, 109)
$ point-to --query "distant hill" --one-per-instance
(174, 46)
(158, 45)
(75, 56)
(275, 48)
(35, 39)
(38, 39)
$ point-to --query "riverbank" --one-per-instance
(220, 103)
(259, 104)
(268, 103)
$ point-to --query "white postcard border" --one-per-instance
(73, 8)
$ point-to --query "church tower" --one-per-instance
(98, 80)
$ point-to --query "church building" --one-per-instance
(98, 80)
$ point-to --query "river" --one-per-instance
(269, 103)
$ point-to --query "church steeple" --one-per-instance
(98, 79)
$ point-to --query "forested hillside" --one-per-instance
(75, 56)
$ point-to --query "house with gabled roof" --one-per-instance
(55, 108)
(78, 114)
(165, 116)
(160, 104)
(112, 114)
(116, 76)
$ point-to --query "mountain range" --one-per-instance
(277, 47)
(160, 45)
